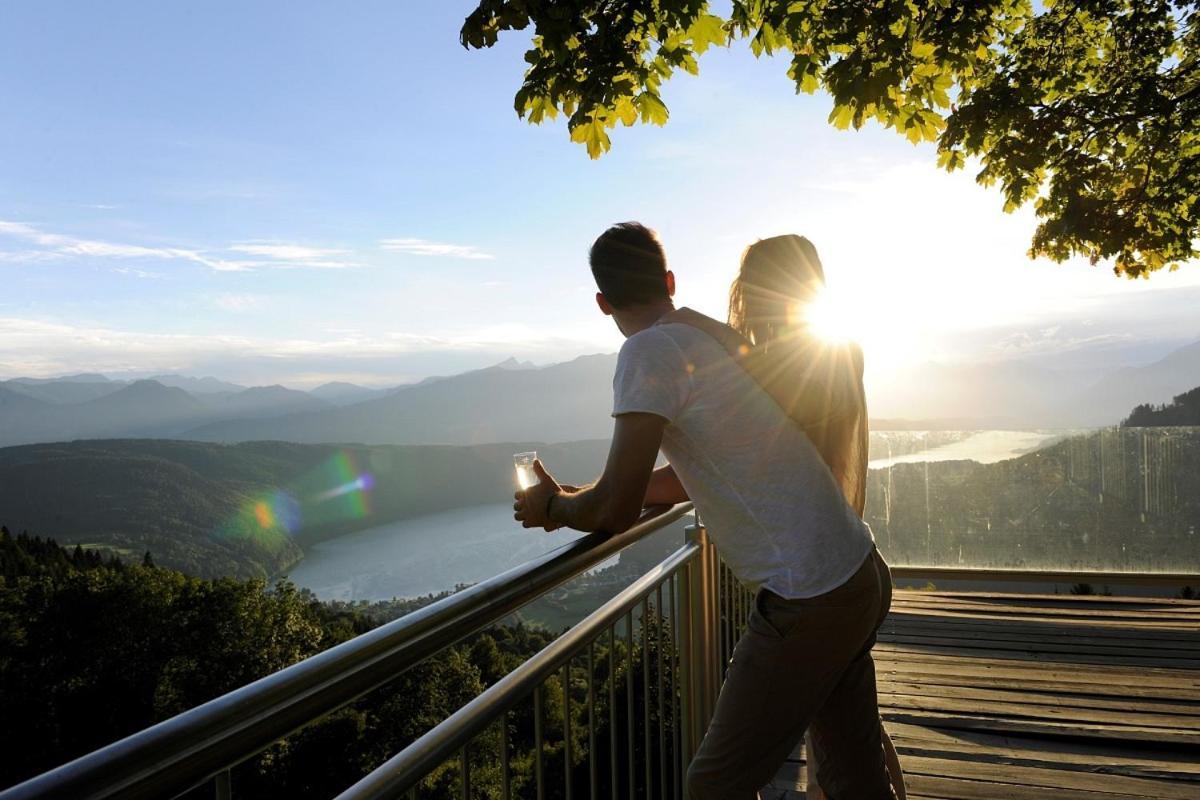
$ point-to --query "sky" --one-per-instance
(296, 192)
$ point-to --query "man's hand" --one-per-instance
(530, 505)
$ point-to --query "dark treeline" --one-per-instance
(93, 649)
(1184, 409)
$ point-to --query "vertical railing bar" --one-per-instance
(724, 603)
(412, 793)
(747, 602)
(223, 785)
(629, 702)
(687, 670)
(465, 772)
(741, 614)
(677, 778)
(566, 684)
(613, 766)
(662, 733)
(505, 777)
(593, 781)
(648, 766)
(715, 666)
(735, 618)
(537, 741)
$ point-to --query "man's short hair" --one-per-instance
(629, 265)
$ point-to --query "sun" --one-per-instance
(830, 316)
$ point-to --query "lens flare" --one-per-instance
(262, 513)
(335, 491)
(829, 316)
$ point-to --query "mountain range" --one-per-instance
(515, 401)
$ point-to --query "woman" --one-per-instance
(819, 383)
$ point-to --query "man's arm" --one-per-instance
(614, 502)
(665, 488)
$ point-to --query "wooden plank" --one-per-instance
(908, 658)
(935, 682)
(1123, 759)
(1066, 640)
(1183, 725)
(1055, 779)
(1180, 615)
(1035, 599)
(981, 781)
(997, 650)
(1017, 697)
(986, 694)
(1043, 631)
(1172, 621)
(1151, 625)
(1053, 728)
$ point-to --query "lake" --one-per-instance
(985, 447)
(430, 554)
(417, 556)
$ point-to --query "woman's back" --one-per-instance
(819, 385)
(817, 382)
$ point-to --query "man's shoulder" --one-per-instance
(653, 338)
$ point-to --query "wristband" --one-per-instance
(549, 500)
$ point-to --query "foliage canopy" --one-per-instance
(1090, 110)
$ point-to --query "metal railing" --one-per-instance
(690, 611)
(658, 670)
(204, 743)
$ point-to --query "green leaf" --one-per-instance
(594, 136)
(652, 107)
(626, 111)
(922, 50)
(842, 116)
(707, 30)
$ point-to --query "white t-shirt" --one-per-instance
(770, 504)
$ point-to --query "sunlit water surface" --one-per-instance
(414, 557)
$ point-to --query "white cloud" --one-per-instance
(28, 256)
(237, 302)
(45, 347)
(137, 273)
(289, 252)
(269, 255)
(424, 247)
(285, 255)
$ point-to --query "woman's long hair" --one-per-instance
(818, 383)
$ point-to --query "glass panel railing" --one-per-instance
(1110, 499)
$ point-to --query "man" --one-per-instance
(775, 513)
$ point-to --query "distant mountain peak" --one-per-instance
(512, 363)
(203, 385)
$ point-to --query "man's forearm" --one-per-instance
(589, 509)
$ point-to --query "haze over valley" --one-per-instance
(518, 401)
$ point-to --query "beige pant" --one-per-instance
(801, 664)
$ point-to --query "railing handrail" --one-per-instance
(436, 745)
(179, 753)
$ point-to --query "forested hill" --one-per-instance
(1184, 409)
(246, 510)
(92, 650)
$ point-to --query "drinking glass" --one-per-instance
(526, 477)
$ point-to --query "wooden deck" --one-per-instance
(1016, 697)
